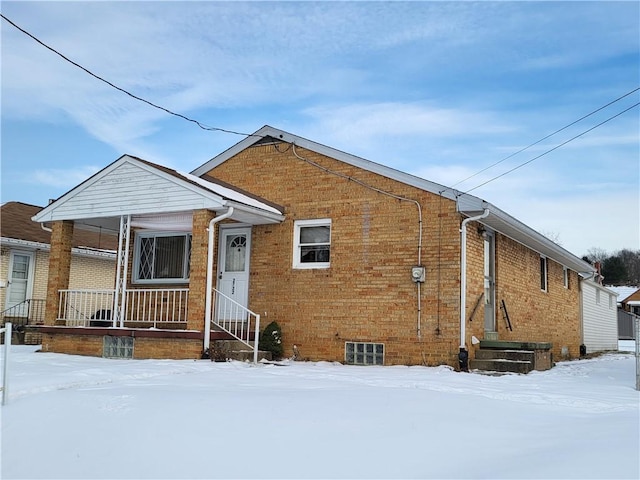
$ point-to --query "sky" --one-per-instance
(441, 90)
(74, 417)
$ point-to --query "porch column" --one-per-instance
(59, 267)
(198, 270)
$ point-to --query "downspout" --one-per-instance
(463, 356)
(209, 292)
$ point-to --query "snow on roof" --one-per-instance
(229, 193)
(623, 292)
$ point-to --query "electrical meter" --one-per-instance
(418, 274)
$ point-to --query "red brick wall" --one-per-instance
(536, 316)
(59, 267)
(367, 294)
(92, 345)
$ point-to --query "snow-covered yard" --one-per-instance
(82, 417)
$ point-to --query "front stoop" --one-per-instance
(224, 350)
(514, 357)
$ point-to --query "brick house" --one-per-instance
(357, 262)
(24, 262)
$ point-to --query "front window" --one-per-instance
(312, 243)
(162, 257)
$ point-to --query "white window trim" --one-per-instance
(565, 274)
(136, 258)
(544, 274)
(297, 264)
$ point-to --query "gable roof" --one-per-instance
(623, 292)
(132, 186)
(467, 205)
(17, 226)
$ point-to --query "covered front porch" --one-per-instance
(175, 262)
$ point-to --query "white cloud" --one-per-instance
(63, 178)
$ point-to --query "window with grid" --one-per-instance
(312, 243)
(162, 257)
(362, 353)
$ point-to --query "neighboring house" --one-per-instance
(599, 317)
(357, 262)
(25, 247)
(628, 310)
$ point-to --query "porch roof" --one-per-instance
(132, 186)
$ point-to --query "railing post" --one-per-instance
(256, 341)
(5, 374)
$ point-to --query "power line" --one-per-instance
(552, 149)
(548, 136)
(126, 92)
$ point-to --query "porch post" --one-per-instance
(120, 292)
(59, 268)
(198, 270)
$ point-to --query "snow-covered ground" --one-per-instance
(82, 417)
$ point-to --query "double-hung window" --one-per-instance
(312, 243)
(162, 257)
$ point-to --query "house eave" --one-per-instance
(79, 251)
(268, 131)
(508, 226)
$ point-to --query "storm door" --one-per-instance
(233, 270)
(19, 283)
(489, 282)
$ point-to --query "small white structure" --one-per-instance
(599, 317)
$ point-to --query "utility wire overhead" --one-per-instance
(548, 136)
(552, 149)
(209, 128)
(126, 92)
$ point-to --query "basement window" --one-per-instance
(361, 353)
(117, 347)
(312, 243)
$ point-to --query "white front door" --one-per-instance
(233, 268)
(19, 283)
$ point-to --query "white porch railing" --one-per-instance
(238, 321)
(79, 307)
(156, 306)
(86, 308)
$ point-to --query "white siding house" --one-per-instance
(599, 317)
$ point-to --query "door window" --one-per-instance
(236, 251)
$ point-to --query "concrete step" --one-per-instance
(521, 355)
(501, 365)
(223, 350)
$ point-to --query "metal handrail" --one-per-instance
(31, 310)
(236, 320)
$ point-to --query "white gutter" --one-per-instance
(463, 275)
(80, 251)
(209, 293)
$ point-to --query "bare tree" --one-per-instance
(631, 260)
(595, 254)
